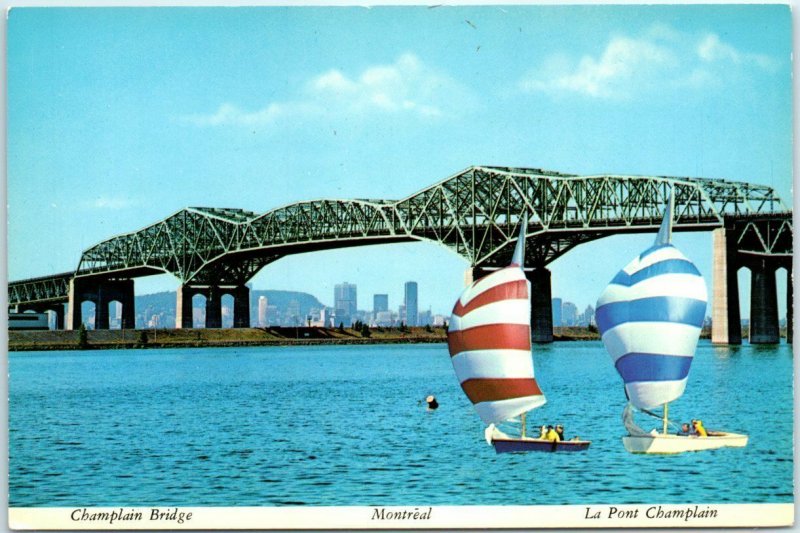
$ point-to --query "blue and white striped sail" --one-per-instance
(650, 317)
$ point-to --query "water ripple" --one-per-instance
(346, 426)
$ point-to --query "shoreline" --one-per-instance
(61, 340)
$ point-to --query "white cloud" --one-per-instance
(661, 58)
(610, 74)
(405, 87)
(712, 49)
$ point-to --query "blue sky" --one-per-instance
(118, 117)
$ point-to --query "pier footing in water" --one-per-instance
(541, 305)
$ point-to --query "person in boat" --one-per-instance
(552, 436)
(432, 403)
(543, 432)
(699, 429)
(685, 430)
(560, 431)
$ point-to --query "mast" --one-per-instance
(665, 231)
(666, 414)
(519, 250)
(519, 259)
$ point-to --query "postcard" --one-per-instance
(400, 267)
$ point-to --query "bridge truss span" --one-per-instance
(475, 213)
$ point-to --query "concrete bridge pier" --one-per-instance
(101, 293)
(213, 295)
(789, 304)
(541, 305)
(58, 310)
(764, 326)
(213, 307)
(183, 307)
(241, 306)
(473, 274)
(726, 326)
(541, 300)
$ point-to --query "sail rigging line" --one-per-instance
(648, 412)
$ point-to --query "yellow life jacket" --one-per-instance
(701, 431)
(552, 435)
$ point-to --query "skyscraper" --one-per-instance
(380, 303)
(569, 313)
(556, 311)
(588, 316)
(412, 310)
(262, 311)
(345, 302)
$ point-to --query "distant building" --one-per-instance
(411, 304)
(199, 317)
(587, 318)
(226, 313)
(401, 314)
(263, 302)
(115, 320)
(293, 316)
(557, 319)
(384, 318)
(380, 303)
(425, 318)
(439, 320)
(569, 314)
(345, 300)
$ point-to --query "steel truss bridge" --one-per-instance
(475, 213)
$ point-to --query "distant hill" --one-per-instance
(163, 305)
(281, 300)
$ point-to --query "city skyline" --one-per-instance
(118, 117)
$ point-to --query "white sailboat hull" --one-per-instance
(669, 444)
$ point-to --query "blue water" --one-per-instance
(336, 425)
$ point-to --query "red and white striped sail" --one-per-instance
(490, 343)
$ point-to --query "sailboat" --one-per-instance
(650, 317)
(489, 338)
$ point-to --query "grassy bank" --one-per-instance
(278, 336)
(177, 338)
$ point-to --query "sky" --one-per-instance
(119, 117)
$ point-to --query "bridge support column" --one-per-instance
(183, 308)
(213, 307)
(789, 306)
(75, 298)
(58, 310)
(473, 274)
(541, 305)
(101, 311)
(726, 324)
(115, 291)
(101, 293)
(241, 307)
(764, 327)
